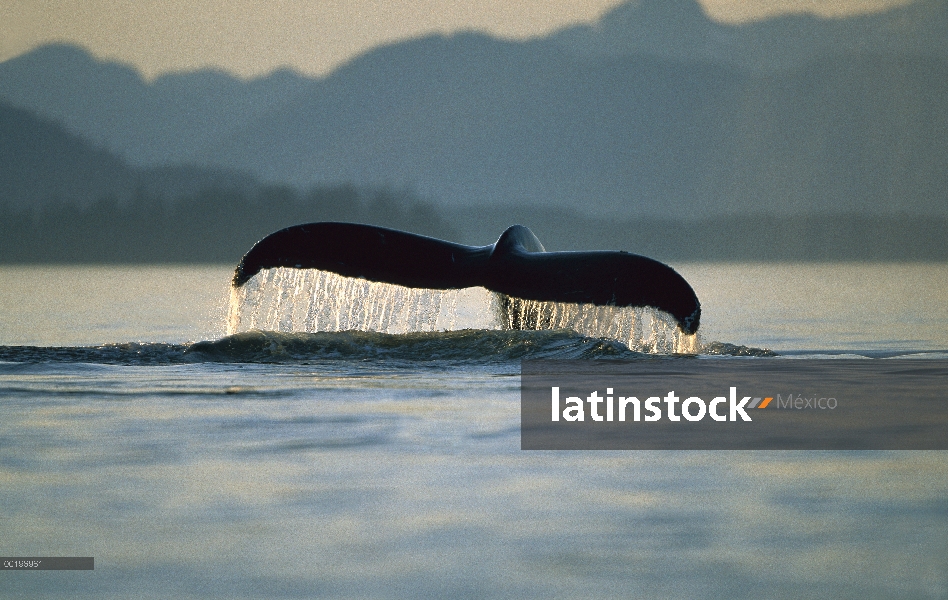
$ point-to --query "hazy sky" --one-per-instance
(253, 37)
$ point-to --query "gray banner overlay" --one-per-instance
(47, 563)
(734, 404)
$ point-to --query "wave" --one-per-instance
(464, 346)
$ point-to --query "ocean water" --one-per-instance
(202, 450)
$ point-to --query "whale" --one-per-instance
(515, 266)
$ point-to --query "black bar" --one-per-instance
(47, 563)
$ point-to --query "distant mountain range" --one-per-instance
(654, 112)
(42, 162)
(63, 199)
(679, 30)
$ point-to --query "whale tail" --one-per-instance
(516, 266)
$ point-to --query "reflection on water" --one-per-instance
(364, 477)
(69, 305)
(371, 480)
(836, 306)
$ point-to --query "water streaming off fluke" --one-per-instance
(309, 300)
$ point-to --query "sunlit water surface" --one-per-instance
(381, 473)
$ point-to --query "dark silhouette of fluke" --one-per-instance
(516, 265)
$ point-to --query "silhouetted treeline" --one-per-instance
(761, 237)
(220, 225)
(215, 225)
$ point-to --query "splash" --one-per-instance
(640, 329)
(308, 300)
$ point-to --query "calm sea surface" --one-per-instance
(370, 466)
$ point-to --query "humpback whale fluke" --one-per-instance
(516, 265)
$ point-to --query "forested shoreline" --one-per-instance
(218, 225)
(215, 225)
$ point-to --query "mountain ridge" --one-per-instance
(681, 30)
(470, 119)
